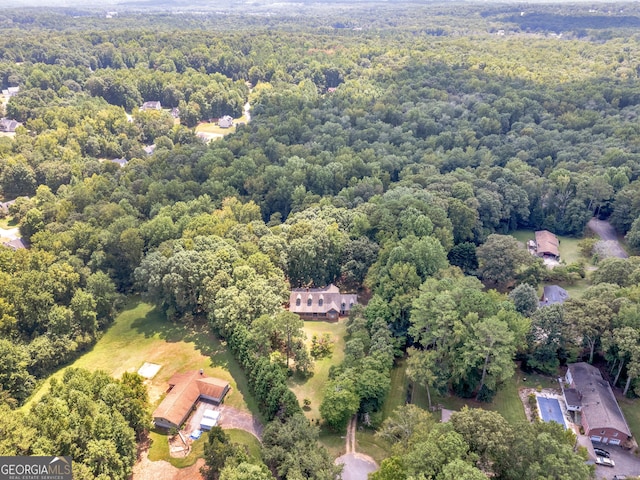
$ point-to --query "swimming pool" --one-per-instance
(550, 410)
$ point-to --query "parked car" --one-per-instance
(619, 477)
(605, 462)
(602, 453)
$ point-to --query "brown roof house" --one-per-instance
(547, 245)
(321, 303)
(591, 399)
(185, 389)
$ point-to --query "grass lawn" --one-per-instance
(141, 334)
(245, 438)
(631, 410)
(8, 222)
(214, 128)
(569, 251)
(335, 443)
(159, 450)
(506, 402)
(313, 387)
(367, 443)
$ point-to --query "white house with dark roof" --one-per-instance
(321, 303)
(591, 398)
(155, 105)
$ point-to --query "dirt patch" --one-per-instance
(145, 469)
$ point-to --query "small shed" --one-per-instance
(553, 294)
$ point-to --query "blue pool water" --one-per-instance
(550, 410)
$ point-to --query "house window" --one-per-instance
(309, 302)
(615, 434)
(297, 302)
(602, 432)
(320, 302)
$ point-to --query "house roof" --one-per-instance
(323, 300)
(547, 243)
(154, 105)
(225, 122)
(16, 244)
(186, 388)
(599, 405)
(8, 125)
(553, 294)
(572, 397)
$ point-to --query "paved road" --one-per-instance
(608, 234)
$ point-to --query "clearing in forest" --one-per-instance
(313, 387)
(141, 334)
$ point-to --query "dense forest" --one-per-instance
(391, 150)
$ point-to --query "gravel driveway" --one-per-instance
(609, 238)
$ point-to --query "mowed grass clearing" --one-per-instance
(141, 334)
(506, 402)
(313, 387)
(569, 251)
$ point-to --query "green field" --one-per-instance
(141, 334)
(313, 387)
(367, 443)
(8, 222)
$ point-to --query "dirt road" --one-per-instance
(608, 235)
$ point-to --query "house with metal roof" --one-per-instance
(595, 406)
(185, 389)
(547, 245)
(321, 303)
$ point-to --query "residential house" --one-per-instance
(591, 399)
(185, 389)
(4, 206)
(11, 91)
(547, 245)
(8, 125)
(225, 122)
(553, 294)
(149, 149)
(119, 161)
(175, 112)
(151, 106)
(321, 303)
(16, 244)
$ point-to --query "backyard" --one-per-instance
(313, 387)
(141, 334)
(506, 402)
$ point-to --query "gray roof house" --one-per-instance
(16, 244)
(553, 294)
(321, 303)
(151, 106)
(225, 122)
(8, 125)
(11, 91)
(599, 412)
